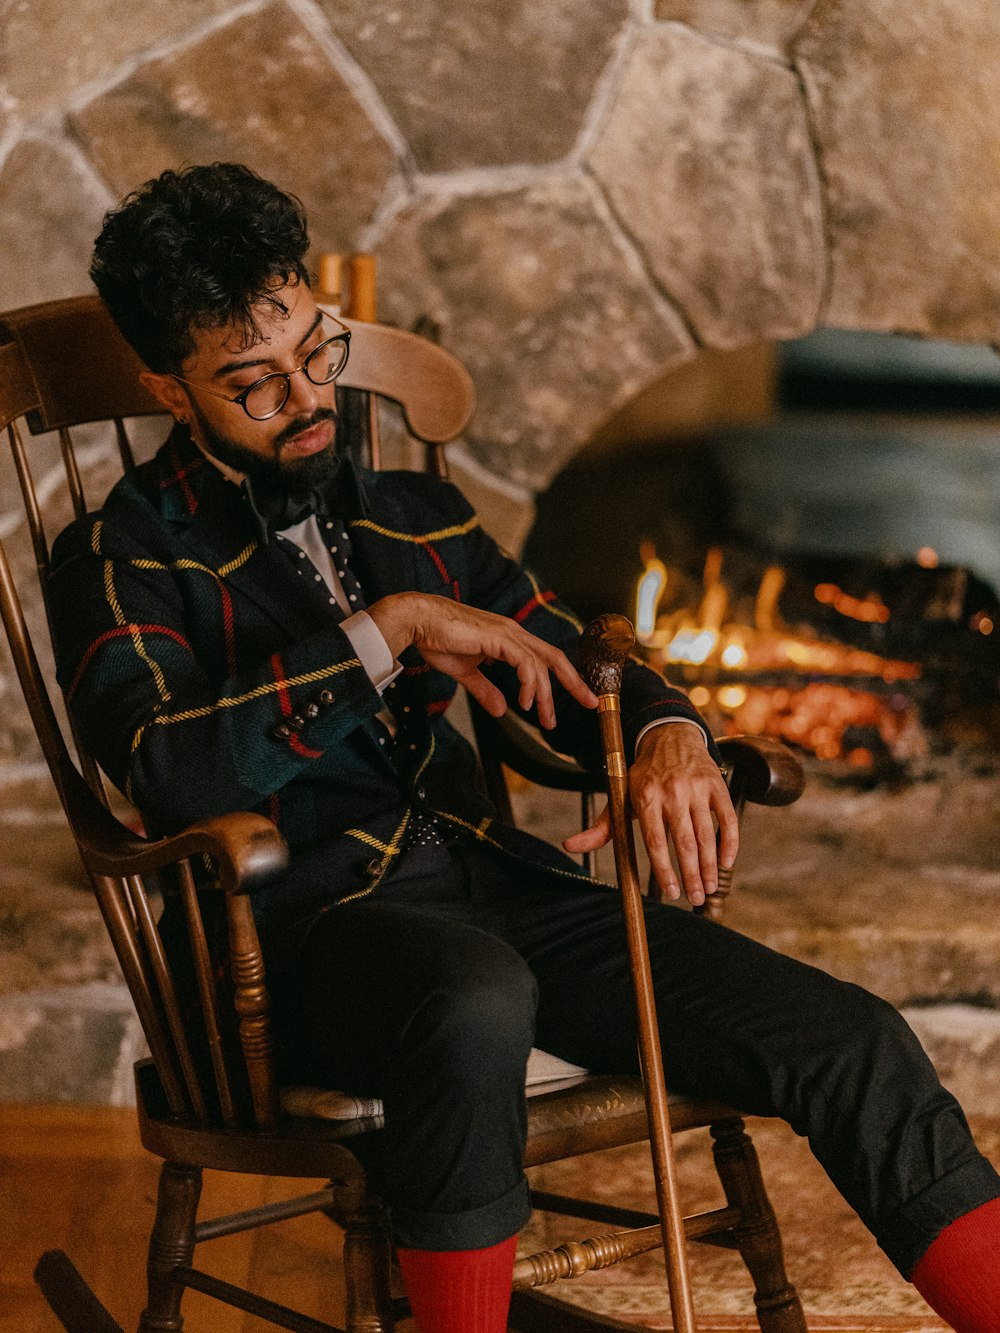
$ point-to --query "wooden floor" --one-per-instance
(77, 1179)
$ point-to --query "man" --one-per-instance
(250, 622)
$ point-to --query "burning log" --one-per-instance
(851, 660)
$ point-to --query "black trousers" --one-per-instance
(431, 992)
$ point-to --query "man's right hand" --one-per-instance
(458, 639)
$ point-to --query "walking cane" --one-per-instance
(606, 643)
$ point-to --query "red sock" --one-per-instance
(460, 1291)
(959, 1276)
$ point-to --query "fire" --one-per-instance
(825, 715)
(870, 609)
(651, 587)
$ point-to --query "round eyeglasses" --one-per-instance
(267, 396)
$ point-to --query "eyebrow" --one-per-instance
(231, 366)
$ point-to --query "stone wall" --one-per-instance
(579, 195)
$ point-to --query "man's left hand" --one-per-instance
(677, 793)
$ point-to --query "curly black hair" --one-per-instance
(197, 249)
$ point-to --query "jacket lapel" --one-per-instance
(217, 530)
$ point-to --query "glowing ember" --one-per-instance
(982, 622)
(829, 716)
(927, 558)
(871, 609)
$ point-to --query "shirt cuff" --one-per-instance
(662, 722)
(372, 650)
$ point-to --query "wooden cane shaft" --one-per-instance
(650, 1057)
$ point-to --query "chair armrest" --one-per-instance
(246, 845)
(763, 771)
(512, 742)
(767, 771)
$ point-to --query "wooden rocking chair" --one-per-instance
(63, 365)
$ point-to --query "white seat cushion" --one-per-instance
(543, 1073)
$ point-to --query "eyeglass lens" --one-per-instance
(324, 364)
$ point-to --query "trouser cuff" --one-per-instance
(912, 1228)
(471, 1230)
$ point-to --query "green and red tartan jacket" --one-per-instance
(207, 676)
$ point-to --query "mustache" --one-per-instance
(302, 424)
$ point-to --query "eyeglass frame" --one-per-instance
(343, 336)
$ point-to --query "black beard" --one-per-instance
(296, 477)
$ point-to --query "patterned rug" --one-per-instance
(846, 1283)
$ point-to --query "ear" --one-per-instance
(168, 393)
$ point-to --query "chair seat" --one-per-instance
(544, 1072)
(584, 1113)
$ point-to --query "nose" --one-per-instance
(303, 395)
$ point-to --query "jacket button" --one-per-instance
(421, 793)
(326, 698)
(297, 721)
(281, 732)
(373, 866)
(310, 711)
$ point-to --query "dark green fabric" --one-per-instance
(175, 629)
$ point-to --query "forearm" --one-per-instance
(214, 748)
(184, 737)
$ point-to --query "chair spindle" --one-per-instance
(206, 989)
(72, 472)
(150, 937)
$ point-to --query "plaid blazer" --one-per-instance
(207, 675)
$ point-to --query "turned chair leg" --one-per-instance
(367, 1268)
(171, 1246)
(757, 1237)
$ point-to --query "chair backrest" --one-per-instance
(63, 365)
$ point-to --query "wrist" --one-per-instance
(679, 733)
(396, 620)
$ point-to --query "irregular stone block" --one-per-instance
(532, 291)
(68, 1047)
(893, 890)
(481, 84)
(52, 209)
(99, 468)
(260, 91)
(50, 48)
(757, 22)
(706, 160)
(51, 930)
(964, 1044)
(905, 106)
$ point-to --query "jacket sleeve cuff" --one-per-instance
(663, 722)
(371, 648)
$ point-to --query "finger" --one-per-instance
(528, 678)
(704, 831)
(532, 672)
(654, 836)
(686, 846)
(729, 829)
(484, 692)
(544, 702)
(589, 839)
(568, 676)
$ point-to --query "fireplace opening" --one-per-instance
(808, 538)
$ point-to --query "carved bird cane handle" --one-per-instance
(605, 644)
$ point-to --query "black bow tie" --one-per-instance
(274, 509)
